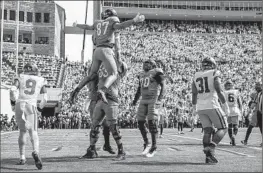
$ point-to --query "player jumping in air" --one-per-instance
(104, 32)
(149, 81)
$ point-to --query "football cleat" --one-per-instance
(22, 162)
(120, 156)
(90, 154)
(210, 154)
(109, 149)
(146, 148)
(233, 141)
(37, 159)
(160, 136)
(211, 160)
(244, 142)
(151, 152)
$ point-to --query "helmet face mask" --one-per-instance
(229, 85)
(148, 65)
(108, 13)
(258, 87)
(208, 64)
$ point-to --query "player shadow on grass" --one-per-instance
(155, 163)
(11, 164)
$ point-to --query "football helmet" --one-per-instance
(258, 87)
(108, 13)
(149, 64)
(208, 63)
(30, 68)
(229, 85)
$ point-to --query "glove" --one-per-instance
(73, 95)
(226, 109)
(75, 24)
(139, 18)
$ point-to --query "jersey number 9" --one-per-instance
(30, 87)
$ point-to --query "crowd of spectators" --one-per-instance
(184, 26)
(179, 53)
(48, 66)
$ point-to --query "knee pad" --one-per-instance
(94, 132)
(208, 130)
(115, 131)
(153, 126)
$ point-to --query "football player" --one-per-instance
(149, 81)
(235, 106)
(206, 89)
(253, 117)
(108, 111)
(161, 114)
(29, 85)
(104, 33)
(180, 114)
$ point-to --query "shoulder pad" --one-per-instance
(159, 70)
(217, 73)
(114, 19)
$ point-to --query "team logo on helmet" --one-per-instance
(208, 63)
(258, 86)
(108, 13)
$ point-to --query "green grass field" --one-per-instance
(176, 153)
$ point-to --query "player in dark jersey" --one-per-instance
(253, 120)
(104, 33)
(108, 111)
(149, 81)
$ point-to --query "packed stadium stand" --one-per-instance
(177, 45)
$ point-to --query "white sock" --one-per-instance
(22, 157)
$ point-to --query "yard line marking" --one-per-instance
(233, 152)
(174, 149)
(220, 142)
(4, 133)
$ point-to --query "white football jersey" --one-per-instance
(231, 98)
(29, 88)
(207, 97)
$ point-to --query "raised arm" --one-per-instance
(117, 46)
(83, 26)
(137, 95)
(159, 77)
(128, 23)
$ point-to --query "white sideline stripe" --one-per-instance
(233, 152)
(220, 142)
(4, 133)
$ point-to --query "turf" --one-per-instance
(175, 153)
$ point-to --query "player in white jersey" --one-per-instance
(235, 107)
(161, 114)
(29, 86)
(206, 89)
